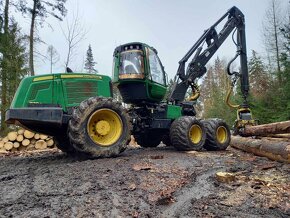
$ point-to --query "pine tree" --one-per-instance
(259, 78)
(90, 63)
(4, 50)
(213, 93)
(52, 56)
(12, 66)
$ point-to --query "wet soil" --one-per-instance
(151, 182)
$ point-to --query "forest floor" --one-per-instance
(151, 182)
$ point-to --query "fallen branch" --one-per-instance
(274, 150)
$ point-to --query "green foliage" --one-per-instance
(214, 88)
(12, 66)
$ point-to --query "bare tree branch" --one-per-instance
(74, 32)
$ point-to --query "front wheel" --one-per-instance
(218, 135)
(100, 127)
(187, 134)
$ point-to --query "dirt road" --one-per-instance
(156, 182)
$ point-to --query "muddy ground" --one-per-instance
(151, 182)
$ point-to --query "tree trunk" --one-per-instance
(68, 58)
(4, 73)
(51, 63)
(277, 52)
(274, 150)
(267, 129)
(31, 39)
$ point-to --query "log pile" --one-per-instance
(268, 140)
(25, 140)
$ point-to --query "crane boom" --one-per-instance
(196, 67)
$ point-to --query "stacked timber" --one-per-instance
(268, 140)
(25, 140)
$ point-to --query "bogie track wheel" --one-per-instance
(187, 133)
(218, 135)
(100, 127)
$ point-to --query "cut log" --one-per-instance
(225, 177)
(5, 139)
(267, 129)
(37, 136)
(30, 147)
(40, 145)
(43, 137)
(16, 144)
(25, 142)
(33, 141)
(283, 136)
(3, 151)
(27, 134)
(22, 148)
(19, 138)
(12, 136)
(8, 146)
(14, 149)
(50, 143)
(274, 150)
(20, 131)
(276, 139)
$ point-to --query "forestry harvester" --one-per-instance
(79, 111)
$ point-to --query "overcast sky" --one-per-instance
(171, 26)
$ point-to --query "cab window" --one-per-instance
(156, 70)
(132, 64)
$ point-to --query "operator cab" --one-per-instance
(138, 73)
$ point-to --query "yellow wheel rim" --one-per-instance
(221, 134)
(105, 127)
(195, 134)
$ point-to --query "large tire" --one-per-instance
(187, 134)
(62, 142)
(100, 127)
(218, 135)
(148, 140)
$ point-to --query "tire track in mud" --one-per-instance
(197, 189)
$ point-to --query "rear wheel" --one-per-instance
(218, 135)
(100, 127)
(187, 133)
